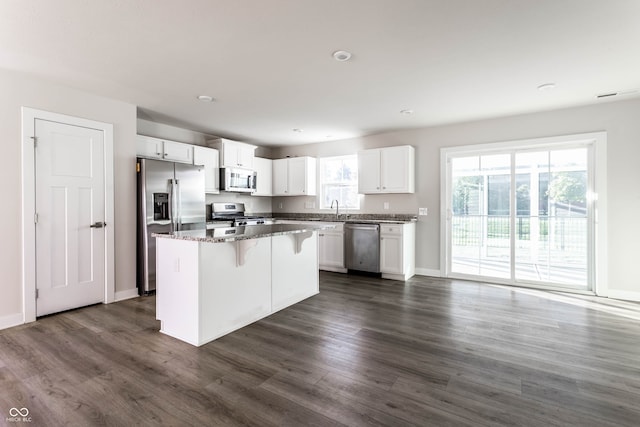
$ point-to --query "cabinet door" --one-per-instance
(229, 155)
(391, 254)
(208, 157)
(280, 174)
(178, 152)
(264, 170)
(331, 249)
(245, 156)
(148, 147)
(297, 176)
(369, 171)
(395, 169)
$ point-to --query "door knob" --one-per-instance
(98, 224)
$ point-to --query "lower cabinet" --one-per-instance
(397, 251)
(206, 290)
(331, 249)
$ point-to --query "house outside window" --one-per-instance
(339, 181)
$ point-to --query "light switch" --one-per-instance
(386, 205)
(422, 211)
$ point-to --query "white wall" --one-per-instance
(621, 121)
(20, 90)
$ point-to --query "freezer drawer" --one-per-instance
(362, 244)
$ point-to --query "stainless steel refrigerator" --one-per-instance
(170, 198)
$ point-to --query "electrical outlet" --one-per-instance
(386, 205)
(280, 205)
(422, 211)
(310, 205)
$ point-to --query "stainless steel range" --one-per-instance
(235, 212)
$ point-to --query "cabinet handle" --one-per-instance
(377, 188)
(384, 188)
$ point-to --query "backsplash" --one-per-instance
(331, 217)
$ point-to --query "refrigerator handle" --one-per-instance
(172, 205)
(178, 204)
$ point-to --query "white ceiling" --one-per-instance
(268, 63)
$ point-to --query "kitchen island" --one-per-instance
(212, 282)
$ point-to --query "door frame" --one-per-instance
(29, 116)
(597, 196)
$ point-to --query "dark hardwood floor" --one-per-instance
(364, 351)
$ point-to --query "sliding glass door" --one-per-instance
(521, 216)
(552, 241)
(480, 231)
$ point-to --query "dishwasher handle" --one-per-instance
(357, 226)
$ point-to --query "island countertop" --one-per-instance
(231, 234)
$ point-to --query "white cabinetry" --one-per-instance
(209, 158)
(264, 171)
(162, 149)
(204, 291)
(294, 176)
(397, 251)
(280, 177)
(387, 170)
(331, 249)
(234, 154)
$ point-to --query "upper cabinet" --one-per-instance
(209, 158)
(234, 154)
(162, 149)
(386, 170)
(294, 176)
(263, 168)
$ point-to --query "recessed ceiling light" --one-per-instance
(205, 98)
(341, 55)
(547, 86)
(406, 112)
(298, 130)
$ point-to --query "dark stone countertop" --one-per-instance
(231, 234)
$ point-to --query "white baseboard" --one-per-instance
(624, 295)
(11, 320)
(127, 294)
(428, 272)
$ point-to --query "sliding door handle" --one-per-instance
(98, 224)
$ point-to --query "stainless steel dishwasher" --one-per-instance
(362, 244)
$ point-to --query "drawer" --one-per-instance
(219, 224)
(390, 228)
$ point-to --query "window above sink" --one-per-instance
(339, 181)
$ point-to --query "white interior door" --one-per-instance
(70, 210)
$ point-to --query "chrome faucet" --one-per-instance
(337, 208)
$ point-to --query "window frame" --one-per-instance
(321, 164)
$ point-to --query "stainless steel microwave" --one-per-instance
(238, 180)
